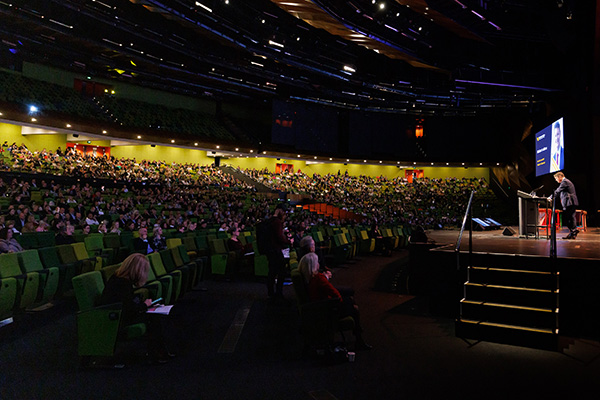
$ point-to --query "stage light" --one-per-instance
(195, 144)
(272, 43)
(139, 137)
(68, 125)
(203, 6)
(33, 109)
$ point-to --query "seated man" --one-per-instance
(142, 244)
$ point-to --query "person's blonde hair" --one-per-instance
(308, 266)
(135, 268)
(559, 175)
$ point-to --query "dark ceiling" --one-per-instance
(415, 56)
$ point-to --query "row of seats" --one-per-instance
(34, 277)
(172, 274)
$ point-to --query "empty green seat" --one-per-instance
(27, 283)
(8, 296)
(50, 259)
(113, 241)
(221, 259)
(49, 278)
(187, 271)
(27, 240)
(171, 282)
(94, 244)
(98, 327)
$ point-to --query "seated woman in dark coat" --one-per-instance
(319, 288)
(120, 288)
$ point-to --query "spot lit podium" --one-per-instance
(529, 215)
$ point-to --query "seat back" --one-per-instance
(190, 243)
(300, 288)
(177, 259)
(218, 246)
(112, 240)
(30, 261)
(201, 242)
(9, 265)
(80, 251)
(173, 242)
(88, 288)
(46, 239)
(167, 260)
(49, 257)
(94, 242)
(8, 296)
(67, 254)
(27, 240)
(109, 271)
(157, 264)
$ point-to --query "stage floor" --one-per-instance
(586, 246)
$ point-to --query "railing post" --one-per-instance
(553, 230)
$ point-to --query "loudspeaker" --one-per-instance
(217, 161)
(508, 232)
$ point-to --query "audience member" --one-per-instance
(8, 244)
(319, 288)
(120, 288)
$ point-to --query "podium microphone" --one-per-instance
(533, 192)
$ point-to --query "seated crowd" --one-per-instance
(425, 202)
(151, 198)
(181, 192)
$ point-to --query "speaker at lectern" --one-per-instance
(529, 205)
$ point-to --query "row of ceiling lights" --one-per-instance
(34, 109)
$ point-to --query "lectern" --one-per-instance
(529, 206)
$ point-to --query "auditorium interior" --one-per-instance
(410, 139)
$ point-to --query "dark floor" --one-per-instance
(415, 355)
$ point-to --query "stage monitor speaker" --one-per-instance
(508, 232)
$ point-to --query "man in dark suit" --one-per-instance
(142, 244)
(275, 241)
(569, 202)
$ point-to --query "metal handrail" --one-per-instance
(553, 229)
(464, 223)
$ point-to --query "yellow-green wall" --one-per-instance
(164, 153)
(389, 171)
(12, 134)
(171, 154)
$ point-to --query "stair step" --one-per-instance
(546, 339)
(511, 261)
(511, 295)
(513, 277)
(535, 317)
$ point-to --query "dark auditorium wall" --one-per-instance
(123, 90)
(485, 137)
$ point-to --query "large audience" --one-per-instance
(188, 197)
(431, 203)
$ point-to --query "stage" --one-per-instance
(512, 275)
(586, 246)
